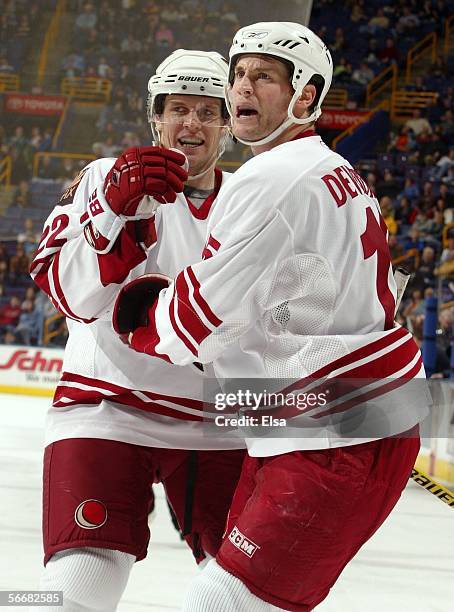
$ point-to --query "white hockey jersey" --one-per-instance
(296, 285)
(106, 389)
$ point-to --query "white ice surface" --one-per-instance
(407, 566)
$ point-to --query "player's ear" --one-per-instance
(305, 100)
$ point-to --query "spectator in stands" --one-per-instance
(357, 14)
(404, 141)
(30, 294)
(415, 306)
(36, 137)
(5, 66)
(29, 327)
(9, 314)
(418, 123)
(21, 153)
(386, 207)
(417, 85)
(372, 53)
(46, 142)
(443, 164)
(164, 36)
(448, 179)
(23, 27)
(427, 198)
(407, 22)
(363, 74)
(339, 44)
(424, 224)
(104, 69)
(424, 275)
(438, 225)
(46, 168)
(395, 248)
(447, 125)
(228, 14)
(171, 13)
(86, 20)
(343, 71)
(29, 239)
(18, 266)
(431, 146)
(447, 196)
(130, 48)
(125, 78)
(389, 53)
(4, 267)
(21, 196)
(61, 333)
(411, 189)
(379, 22)
(414, 241)
(448, 252)
(388, 185)
(372, 181)
(130, 139)
(427, 13)
(73, 65)
(405, 213)
(9, 338)
(108, 148)
(66, 171)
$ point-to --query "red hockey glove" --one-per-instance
(134, 302)
(133, 316)
(153, 171)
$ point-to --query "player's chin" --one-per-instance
(246, 132)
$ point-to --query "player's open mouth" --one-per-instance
(192, 143)
(245, 111)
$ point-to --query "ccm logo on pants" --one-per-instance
(242, 543)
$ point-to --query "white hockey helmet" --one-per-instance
(295, 44)
(196, 73)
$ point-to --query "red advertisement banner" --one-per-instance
(333, 119)
(34, 105)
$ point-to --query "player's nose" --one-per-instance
(243, 85)
(192, 120)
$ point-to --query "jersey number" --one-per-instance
(373, 241)
(59, 223)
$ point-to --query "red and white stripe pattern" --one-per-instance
(378, 368)
(211, 248)
(74, 389)
(44, 272)
(190, 314)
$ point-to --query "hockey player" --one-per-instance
(118, 416)
(296, 283)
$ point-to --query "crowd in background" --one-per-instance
(412, 173)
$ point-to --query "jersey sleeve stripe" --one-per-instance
(181, 335)
(203, 305)
(186, 314)
(58, 293)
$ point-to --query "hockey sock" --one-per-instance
(215, 589)
(92, 579)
